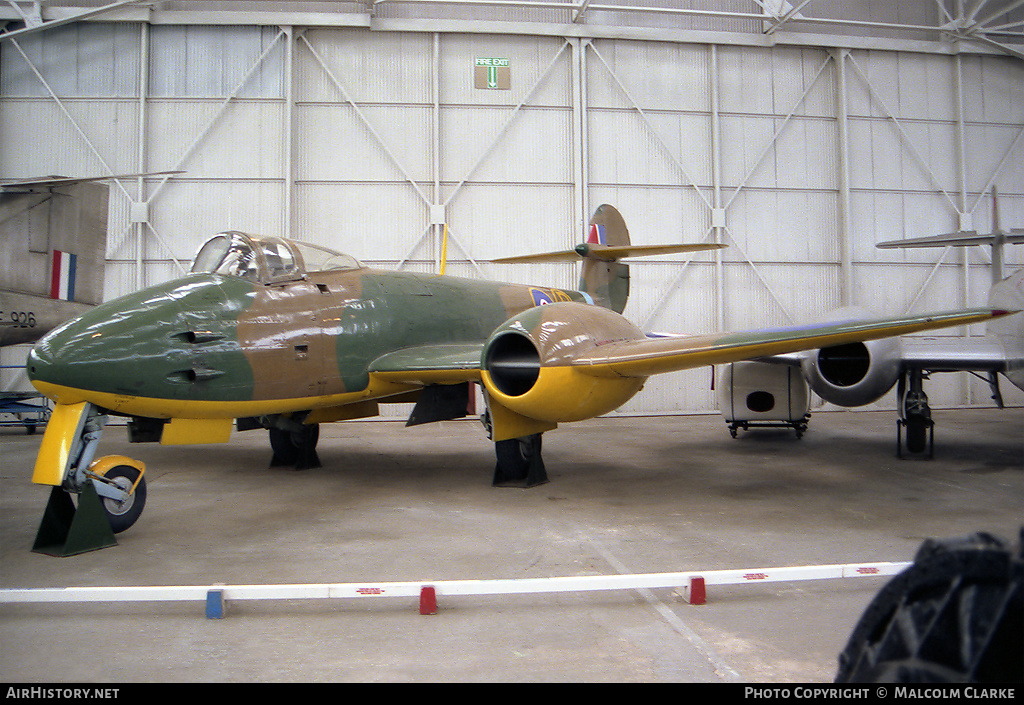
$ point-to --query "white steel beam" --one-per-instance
(716, 178)
(141, 142)
(508, 122)
(288, 130)
(690, 182)
(220, 111)
(517, 22)
(79, 17)
(64, 111)
(451, 588)
(907, 142)
(843, 148)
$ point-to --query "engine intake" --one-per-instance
(844, 365)
(854, 374)
(527, 363)
(513, 362)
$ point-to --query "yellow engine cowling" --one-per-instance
(527, 366)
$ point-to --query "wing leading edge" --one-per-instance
(431, 364)
(642, 358)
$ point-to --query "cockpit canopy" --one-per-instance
(267, 260)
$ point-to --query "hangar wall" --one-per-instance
(799, 156)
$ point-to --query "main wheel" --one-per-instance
(513, 459)
(917, 433)
(124, 513)
(519, 461)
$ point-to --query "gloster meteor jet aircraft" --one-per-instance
(276, 334)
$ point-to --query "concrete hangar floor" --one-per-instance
(627, 495)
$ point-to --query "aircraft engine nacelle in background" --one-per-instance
(856, 373)
(527, 363)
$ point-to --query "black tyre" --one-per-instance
(285, 451)
(512, 458)
(123, 515)
(295, 448)
(917, 434)
(954, 616)
(519, 461)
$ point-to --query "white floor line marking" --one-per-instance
(727, 672)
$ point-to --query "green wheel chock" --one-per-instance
(67, 531)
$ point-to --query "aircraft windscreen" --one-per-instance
(230, 255)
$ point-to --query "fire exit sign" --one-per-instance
(492, 74)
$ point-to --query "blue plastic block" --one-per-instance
(215, 604)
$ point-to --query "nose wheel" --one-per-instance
(122, 512)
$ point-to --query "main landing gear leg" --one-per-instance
(915, 416)
(519, 462)
(295, 446)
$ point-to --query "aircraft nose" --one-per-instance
(174, 341)
(40, 363)
(107, 349)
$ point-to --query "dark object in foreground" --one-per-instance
(955, 616)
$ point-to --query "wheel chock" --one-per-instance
(428, 600)
(215, 603)
(694, 592)
(67, 531)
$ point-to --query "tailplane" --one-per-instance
(997, 239)
(604, 278)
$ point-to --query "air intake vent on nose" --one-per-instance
(198, 336)
(195, 373)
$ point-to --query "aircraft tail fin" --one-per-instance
(606, 279)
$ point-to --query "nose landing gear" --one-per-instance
(111, 490)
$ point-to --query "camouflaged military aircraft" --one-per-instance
(276, 334)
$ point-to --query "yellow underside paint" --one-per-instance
(61, 431)
(506, 424)
(180, 432)
(563, 394)
(155, 408)
(425, 377)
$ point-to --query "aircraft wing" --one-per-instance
(644, 357)
(955, 354)
(460, 362)
(608, 253)
(964, 237)
(16, 185)
(431, 364)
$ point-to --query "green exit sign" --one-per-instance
(492, 74)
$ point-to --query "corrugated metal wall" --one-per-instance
(348, 137)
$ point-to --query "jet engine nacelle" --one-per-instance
(527, 363)
(856, 373)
